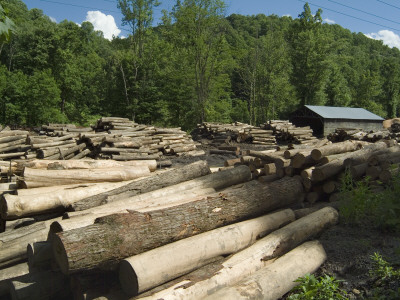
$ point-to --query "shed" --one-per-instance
(325, 119)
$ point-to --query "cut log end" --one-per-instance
(60, 254)
(128, 278)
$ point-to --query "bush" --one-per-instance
(360, 205)
(321, 288)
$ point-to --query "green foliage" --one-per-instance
(7, 26)
(197, 65)
(386, 280)
(321, 288)
(359, 205)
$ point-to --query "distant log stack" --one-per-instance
(343, 134)
(285, 132)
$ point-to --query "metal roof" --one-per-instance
(330, 112)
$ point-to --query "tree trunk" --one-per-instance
(336, 148)
(124, 235)
(158, 181)
(40, 255)
(364, 154)
(61, 177)
(150, 269)
(278, 278)
(251, 259)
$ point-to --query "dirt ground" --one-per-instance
(349, 248)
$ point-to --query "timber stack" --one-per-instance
(111, 138)
(287, 133)
(101, 248)
(344, 134)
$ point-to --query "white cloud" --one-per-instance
(105, 23)
(53, 19)
(287, 15)
(388, 37)
(329, 21)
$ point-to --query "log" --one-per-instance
(13, 243)
(232, 162)
(364, 154)
(335, 148)
(42, 285)
(122, 235)
(358, 171)
(95, 285)
(61, 177)
(150, 269)
(253, 258)
(7, 139)
(269, 158)
(82, 154)
(133, 156)
(278, 278)
(40, 255)
(16, 206)
(158, 181)
(9, 273)
(386, 175)
(12, 155)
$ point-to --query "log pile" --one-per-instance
(102, 246)
(344, 134)
(111, 138)
(285, 132)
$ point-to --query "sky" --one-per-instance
(377, 19)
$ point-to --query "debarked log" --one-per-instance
(278, 278)
(150, 269)
(61, 177)
(253, 258)
(118, 236)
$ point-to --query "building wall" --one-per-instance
(331, 125)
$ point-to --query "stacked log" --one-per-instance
(286, 132)
(343, 134)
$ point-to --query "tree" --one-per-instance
(310, 52)
(200, 43)
(6, 26)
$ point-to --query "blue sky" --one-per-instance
(375, 18)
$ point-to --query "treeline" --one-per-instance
(196, 65)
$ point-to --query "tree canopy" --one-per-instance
(196, 65)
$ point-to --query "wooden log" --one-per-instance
(40, 285)
(95, 286)
(7, 139)
(60, 177)
(364, 154)
(13, 243)
(270, 168)
(358, 171)
(168, 178)
(16, 206)
(150, 269)
(278, 278)
(12, 155)
(232, 162)
(52, 144)
(390, 157)
(9, 273)
(215, 211)
(269, 158)
(82, 154)
(336, 148)
(171, 196)
(134, 156)
(40, 255)
(268, 178)
(373, 172)
(386, 175)
(251, 259)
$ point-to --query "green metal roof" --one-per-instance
(330, 112)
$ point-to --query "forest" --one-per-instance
(197, 64)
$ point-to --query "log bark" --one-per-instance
(253, 258)
(364, 154)
(150, 269)
(133, 156)
(358, 171)
(61, 177)
(82, 154)
(278, 278)
(158, 181)
(336, 148)
(122, 235)
(269, 158)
